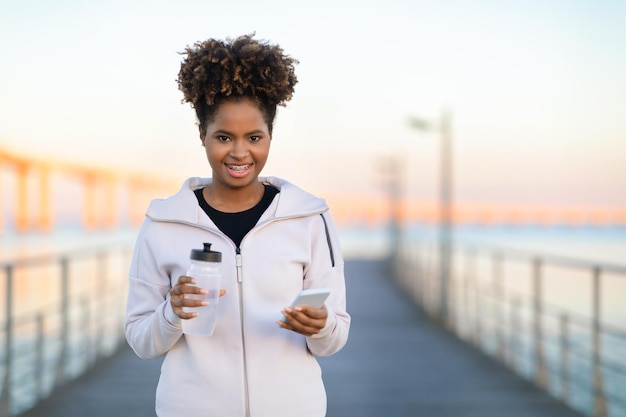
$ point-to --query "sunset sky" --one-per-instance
(536, 89)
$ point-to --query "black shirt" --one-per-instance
(237, 225)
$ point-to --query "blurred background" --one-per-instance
(496, 122)
(535, 93)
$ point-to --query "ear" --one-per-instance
(202, 137)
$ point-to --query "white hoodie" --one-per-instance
(249, 366)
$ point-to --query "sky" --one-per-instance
(536, 91)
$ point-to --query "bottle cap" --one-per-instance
(206, 254)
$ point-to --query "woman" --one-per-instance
(275, 240)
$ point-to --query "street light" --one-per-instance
(444, 127)
(392, 169)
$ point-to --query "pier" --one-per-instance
(397, 362)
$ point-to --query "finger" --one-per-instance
(301, 323)
(180, 304)
(177, 289)
(191, 289)
(308, 316)
(314, 313)
(186, 316)
(288, 326)
(186, 285)
(176, 296)
(184, 279)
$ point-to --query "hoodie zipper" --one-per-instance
(238, 264)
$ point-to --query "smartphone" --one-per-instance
(312, 297)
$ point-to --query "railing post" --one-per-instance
(541, 372)
(515, 330)
(426, 279)
(39, 359)
(466, 293)
(418, 270)
(86, 330)
(497, 300)
(599, 403)
(61, 365)
(452, 295)
(5, 395)
(100, 296)
(477, 306)
(408, 269)
(564, 344)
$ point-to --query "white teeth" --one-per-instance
(239, 168)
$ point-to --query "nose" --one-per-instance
(239, 149)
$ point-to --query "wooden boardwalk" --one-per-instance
(396, 363)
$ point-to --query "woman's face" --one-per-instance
(237, 144)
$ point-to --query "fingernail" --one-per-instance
(204, 303)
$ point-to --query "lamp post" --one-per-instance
(392, 169)
(444, 127)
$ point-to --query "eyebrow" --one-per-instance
(226, 132)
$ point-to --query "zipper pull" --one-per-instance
(238, 264)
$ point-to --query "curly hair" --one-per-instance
(243, 68)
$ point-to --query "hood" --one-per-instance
(183, 206)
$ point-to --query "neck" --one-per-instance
(233, 200)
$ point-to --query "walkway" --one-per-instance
(395, 364)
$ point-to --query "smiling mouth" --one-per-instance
(239, 168)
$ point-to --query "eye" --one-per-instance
(223, 138)
(255, 138)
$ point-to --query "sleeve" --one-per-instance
(151, 326)
(327, 270)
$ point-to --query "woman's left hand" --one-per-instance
(304, 320)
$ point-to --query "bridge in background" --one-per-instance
(39, 191)
(36, 192)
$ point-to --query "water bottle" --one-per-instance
(204, 269)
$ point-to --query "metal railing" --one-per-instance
(71, 318)
(498, 302)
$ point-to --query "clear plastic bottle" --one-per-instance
(204, 269)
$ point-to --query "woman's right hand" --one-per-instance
(186, 285)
